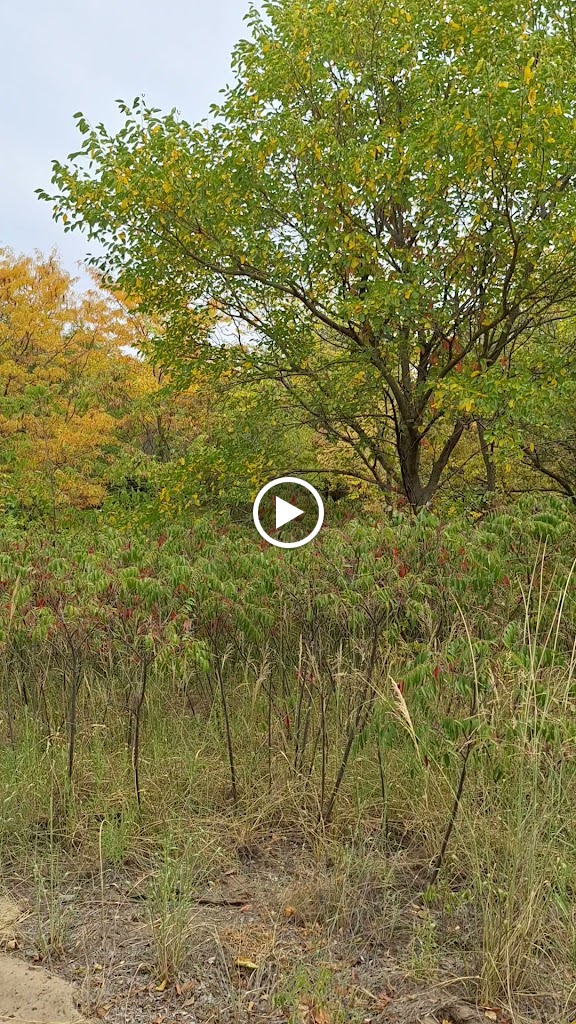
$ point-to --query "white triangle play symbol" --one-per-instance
(285, 512)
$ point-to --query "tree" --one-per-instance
(382, 207)
(62, 375)
(544, 417)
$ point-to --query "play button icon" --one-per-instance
(287, 511)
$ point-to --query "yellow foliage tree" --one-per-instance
(63, 384)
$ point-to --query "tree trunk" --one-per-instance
(409, 455)
(487, 452)
(409, 445)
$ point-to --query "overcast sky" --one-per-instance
(70, 55)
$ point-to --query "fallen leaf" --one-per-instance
(161, 986)
(249, 965)
(245, 908)
(289, 912)
(421, 912)
(490, 1014)
(321, 1017)
(12, 944)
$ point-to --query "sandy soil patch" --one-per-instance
(30, 995)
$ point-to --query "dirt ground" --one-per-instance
(255, 953)
(28, 993)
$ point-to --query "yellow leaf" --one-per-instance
(161, 986)
(248, 965)
(502, 85)
(321, 1017)
(528, 74)
(532, 96)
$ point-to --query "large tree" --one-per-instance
(383, 205)
(57, 359)
(71, 400)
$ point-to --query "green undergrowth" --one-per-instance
(172, 696)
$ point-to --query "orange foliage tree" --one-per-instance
(64, 384)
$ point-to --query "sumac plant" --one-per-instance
(318, 661)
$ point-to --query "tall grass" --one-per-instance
(397, 694)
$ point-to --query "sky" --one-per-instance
(82, 55)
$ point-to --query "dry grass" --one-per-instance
(497, 797)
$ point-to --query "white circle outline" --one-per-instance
(281, 543)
